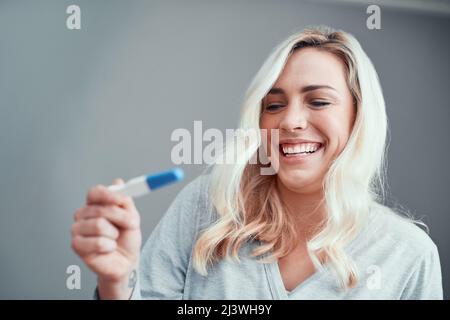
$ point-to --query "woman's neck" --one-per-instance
(307, 209)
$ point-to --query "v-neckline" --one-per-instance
(275, 279)
(279, 283)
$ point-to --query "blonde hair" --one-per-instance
(248, 204)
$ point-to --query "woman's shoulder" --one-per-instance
(195, 196)
(197, 187)
(399, 230)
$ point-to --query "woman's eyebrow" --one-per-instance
(313, 87)
(275, 91)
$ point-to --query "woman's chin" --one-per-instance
(297, 180)
(292, 179)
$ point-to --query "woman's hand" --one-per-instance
(106, 235)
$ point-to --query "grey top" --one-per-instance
(395, 260)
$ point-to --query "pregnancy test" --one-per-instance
(142, 185)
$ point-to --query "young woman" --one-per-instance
(316, 229)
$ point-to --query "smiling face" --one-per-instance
(312, 106)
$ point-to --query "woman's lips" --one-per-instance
(299, 157)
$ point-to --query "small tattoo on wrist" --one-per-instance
(132, 279)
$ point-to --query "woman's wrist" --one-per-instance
(117, 290)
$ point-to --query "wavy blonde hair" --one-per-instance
(248, 203)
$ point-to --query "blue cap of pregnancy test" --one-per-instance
(163, 178)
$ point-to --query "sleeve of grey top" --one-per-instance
(165, 256)
(425, 282)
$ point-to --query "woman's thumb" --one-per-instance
(128, 201)
(118, 181)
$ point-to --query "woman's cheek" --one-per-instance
(266, 138)
(266, 142)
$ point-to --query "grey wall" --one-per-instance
(83, 107)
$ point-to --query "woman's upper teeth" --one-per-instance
(300, 147)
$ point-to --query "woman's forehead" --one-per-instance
(310, 66)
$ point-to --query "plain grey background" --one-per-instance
(83, 107)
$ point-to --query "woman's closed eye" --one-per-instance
(274, 107)
(319, 103)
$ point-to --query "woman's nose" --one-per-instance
(294, 117)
